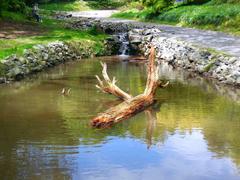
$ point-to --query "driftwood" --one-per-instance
(131, 105)
(66, 92)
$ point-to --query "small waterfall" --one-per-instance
(124, 48)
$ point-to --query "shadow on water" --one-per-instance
(193, 126)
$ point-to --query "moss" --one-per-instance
(215, 52)
(209, 66)
(2, 70)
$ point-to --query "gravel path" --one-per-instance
(208, 39)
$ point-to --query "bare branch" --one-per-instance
(109, 86)
(152, 79)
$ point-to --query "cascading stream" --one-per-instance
(124, 49)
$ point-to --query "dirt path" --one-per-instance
(12, 30)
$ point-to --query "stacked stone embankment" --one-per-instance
(41, 57)
(169, 48)
(36, 59)
(177, 53)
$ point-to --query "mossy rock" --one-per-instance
(209, 67)
(2, 69)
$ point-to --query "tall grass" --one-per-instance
(224, 17)
(201, 15)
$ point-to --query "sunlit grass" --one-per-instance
(224, 17)
(66, 6)
(50, 30)
(12, 46)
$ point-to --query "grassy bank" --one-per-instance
(17, 46)
(41, 33)
(224, 17)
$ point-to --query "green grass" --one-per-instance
(209, 67)
(17, 46)
(11, 16)
(128, 14)
(106, 4)
(51, 30)
(81, 5)
(66, 6)
(224, 17)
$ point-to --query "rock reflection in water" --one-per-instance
(191, 128)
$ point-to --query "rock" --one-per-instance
(137, 31)
(238, 81)
(36, 59)
(45, 56)
(22, 60)
(148, 38)
(14, 72)
(186, 55)
(151, 31)
(2, 80)
(135, 39)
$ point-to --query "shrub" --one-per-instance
(16, 6)
(158, 5)
(201, 15)
(196, 1)
(106, 4)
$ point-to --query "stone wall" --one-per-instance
(36, 59)
(224, 68)
(109, 27)
(170, 50)
(178, 53)
(41, 57)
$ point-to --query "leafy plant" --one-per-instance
(158, 5)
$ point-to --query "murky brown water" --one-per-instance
(191, 133)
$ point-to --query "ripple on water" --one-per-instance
(192, 132)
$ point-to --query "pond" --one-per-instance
(191, 132)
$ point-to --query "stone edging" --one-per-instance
(178, 53)
(41, 57)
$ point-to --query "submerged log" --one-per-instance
(131, 105)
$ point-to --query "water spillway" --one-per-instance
(125, 46)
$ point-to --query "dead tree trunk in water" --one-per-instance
(131, 105)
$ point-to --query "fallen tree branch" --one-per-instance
(131, 105)
(109, 86)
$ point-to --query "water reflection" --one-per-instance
(192, 132)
